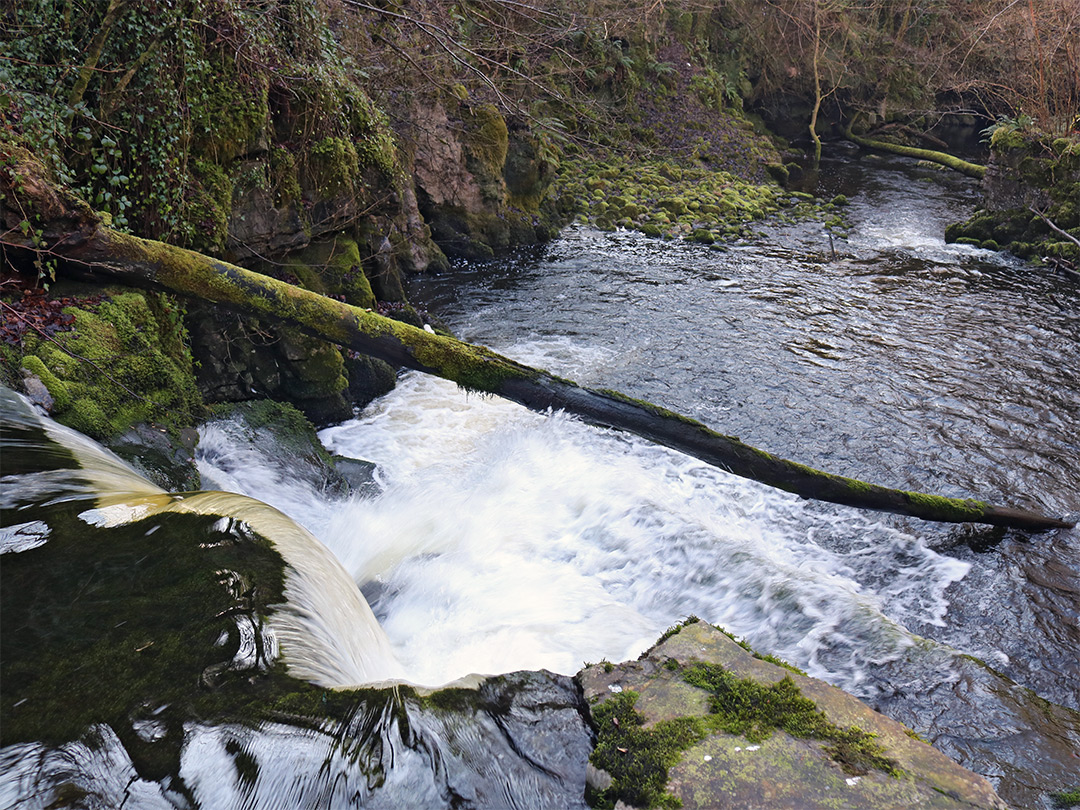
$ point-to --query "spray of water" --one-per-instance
(504, 540)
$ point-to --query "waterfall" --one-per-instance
(325, 629)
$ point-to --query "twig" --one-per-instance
(1054, 227)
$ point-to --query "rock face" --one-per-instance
(725, 770)
(479, 182)
(1027, 174)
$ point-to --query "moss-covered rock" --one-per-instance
(702, 722)
(1029, 180)
(125, 361)
(334, 266)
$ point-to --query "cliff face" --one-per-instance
(249, 132)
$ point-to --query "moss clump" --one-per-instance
(284, 180)
(637, 758)
(58, 390)
(334, 165)
(754, 710)
(488, 138)
(228, 113)
(210, 207)
(289, 427)
(126, 361)
(1066, 798)
(692, 201)
(334, 267)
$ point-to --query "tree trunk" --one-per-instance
(76, 235)
(970, 169)
(93, 53)
(814, 136)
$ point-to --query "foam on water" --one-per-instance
(509, 540)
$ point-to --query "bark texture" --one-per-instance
(74, 234)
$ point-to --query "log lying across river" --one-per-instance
(68, 230)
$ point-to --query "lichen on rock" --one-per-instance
(816, 747)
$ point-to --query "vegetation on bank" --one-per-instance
(122, 359)
(328, 141)
(1032, 198)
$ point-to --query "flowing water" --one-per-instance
(500, 540)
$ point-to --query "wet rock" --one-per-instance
(37, 392)
(360, 475)
(780, 770)
(167, 459)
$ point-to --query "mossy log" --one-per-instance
(77, 236)
(951, 161)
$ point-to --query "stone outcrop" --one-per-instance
(1031, 203)
(479, 182)
(725, 770)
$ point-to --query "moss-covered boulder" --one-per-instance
(124, 360)
(1031, 189)
(700, 721)
(334, 267)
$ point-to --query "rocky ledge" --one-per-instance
(700, 721)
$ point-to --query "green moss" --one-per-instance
(674, 629)
(474, 368)
(334, 165)
(488, 138)
(637, 758)
(125, 361)
(1004, 138)
(334, 266)
(284, 180)
(950, 508)
(210, 207)
(289, 427)
(1066, 798)
(754, 710)
(57, 389)
(228, 113)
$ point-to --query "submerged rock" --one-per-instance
(851, 757)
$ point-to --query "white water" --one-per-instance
(508, 540)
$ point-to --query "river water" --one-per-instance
(499, 540)
(507, 540)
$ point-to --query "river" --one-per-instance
(501, 540)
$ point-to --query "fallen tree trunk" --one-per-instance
(73, 233)
(951, 161)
